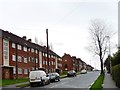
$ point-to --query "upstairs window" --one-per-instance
(13, 57)
(25, 59)
(19, 47)
(19, 59)
(25, 49)
(32, 50)
(36, 60)
(13, 45)
(36, 51)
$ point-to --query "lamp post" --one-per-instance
(109, 53)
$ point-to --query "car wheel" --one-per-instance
(31, 84)
(58, 79)
(48, 82)
(43, 83)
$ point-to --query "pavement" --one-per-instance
(108, 82)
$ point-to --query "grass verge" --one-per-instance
(14, 81)
(97, 85)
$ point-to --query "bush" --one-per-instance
(64, 73)
(116, 74)
(116, 58)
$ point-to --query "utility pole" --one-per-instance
(47, 50)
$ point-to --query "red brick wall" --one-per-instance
(69, 62)
(23, 54)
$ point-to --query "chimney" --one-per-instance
(24, 37)
(29, 40)
(45, 47)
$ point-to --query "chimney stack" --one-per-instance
(24, 37)
(29, 40)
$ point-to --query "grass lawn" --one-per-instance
(98, 83)
(10, 82)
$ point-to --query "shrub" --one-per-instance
(116, 74)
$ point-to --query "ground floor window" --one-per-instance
(25, 71)
(19, 71)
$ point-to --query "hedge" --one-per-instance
(116, 74)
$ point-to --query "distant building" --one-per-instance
(72, 63)
(89, 68)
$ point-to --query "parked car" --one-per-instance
(71, 73)
(38, 77)
(83, 71)
(54, 77)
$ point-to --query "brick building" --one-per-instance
(72, 63)
(19, 56)
(89, 68)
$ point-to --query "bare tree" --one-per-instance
(99, 35)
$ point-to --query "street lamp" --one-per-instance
(109, 53)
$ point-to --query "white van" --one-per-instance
(38, 77)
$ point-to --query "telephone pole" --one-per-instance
(47, 50)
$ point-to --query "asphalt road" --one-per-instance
(81, 81)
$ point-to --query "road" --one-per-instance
(81, 81)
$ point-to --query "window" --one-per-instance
(49, 56)
(19, 59)
(43, 62)
(32, 50)
(25, 49)
(25, 59)
(36, 51)
(6, 49)
(19, 47)
(36, 60)
(29, 59)
(33, 68)
(46, 62)
(14, 70)
(29, 49)
(45, 55)
(25, 71)
(13, 58)
(19, 71)
(13, 45)
(52, 62)
(33, 60)
(65, 60)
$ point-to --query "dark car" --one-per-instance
(54, 77)
(71, 73)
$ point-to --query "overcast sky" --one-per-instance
(68, 23)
